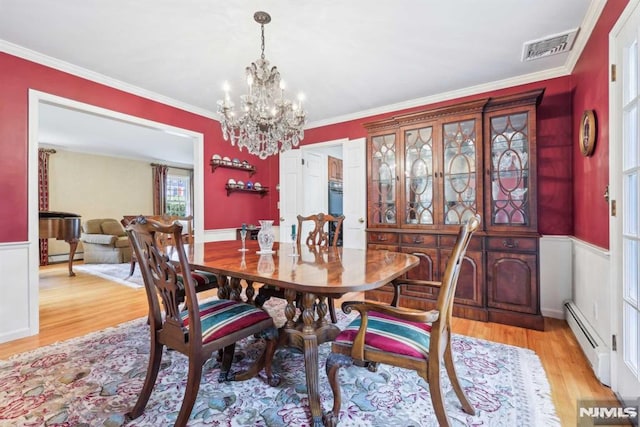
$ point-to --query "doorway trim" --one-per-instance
(35, 99)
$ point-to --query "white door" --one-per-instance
(315, 189)
(290, 191)
(625, 192)
(355, 193)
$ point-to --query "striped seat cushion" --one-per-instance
(201, 278)
(391, 335)
(223, 317)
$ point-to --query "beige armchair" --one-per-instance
(105, 242)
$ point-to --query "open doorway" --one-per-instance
(305, 186)
(39, 101)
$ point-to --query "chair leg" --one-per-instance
(225, 364)
(191, 392)
(150, 380)
(335, 361)
(455, 382)
(272, 343)
(332, 310)
(270, 335)
(436, 394)
(132, 268)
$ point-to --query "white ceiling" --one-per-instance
(349, 58)
(80, 131)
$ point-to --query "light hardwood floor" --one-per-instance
(72, 307)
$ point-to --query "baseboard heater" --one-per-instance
(59, 258)
(597, 352)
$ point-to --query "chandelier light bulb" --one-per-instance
(269, 123)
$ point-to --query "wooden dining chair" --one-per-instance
(325, 233)
(406, 338)
(200, 329)
(203, 279)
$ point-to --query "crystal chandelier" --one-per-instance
(269, 123)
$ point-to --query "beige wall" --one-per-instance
(97, 187)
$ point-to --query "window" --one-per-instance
(178, 195)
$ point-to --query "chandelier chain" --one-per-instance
(262, 45)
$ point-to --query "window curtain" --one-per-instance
(43, 198)
(190, 192)
(159, 188)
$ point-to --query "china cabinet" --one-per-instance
(430, 171)
(334, 168)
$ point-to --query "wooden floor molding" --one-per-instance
(74, 306)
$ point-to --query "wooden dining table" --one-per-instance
(307, 274)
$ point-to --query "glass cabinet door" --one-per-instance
(510, 170)
(460, 158)
(419, 175)
(382, 188)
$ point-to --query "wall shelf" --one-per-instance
(230, 189)
(217, 163)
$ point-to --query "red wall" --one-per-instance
(570, 187)
(591, 174)
(17, 76)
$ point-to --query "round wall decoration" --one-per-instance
(587, 132)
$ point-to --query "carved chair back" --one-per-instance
(320, 234)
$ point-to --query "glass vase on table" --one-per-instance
(266, 237)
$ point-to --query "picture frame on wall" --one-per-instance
(588, 133)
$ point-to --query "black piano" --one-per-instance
(61, 226)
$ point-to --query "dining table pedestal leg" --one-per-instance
(306, 335)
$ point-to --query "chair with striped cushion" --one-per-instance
(407, 338)
(201, 328)
(204, 280)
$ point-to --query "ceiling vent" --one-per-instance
(550, 45)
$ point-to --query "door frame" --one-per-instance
(615, 192)
(36, 98)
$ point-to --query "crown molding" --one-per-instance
(586, 28)
(459, 93)
(93, 76)
(593, 13)
(588, 24)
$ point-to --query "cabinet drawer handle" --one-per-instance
(381, 238)
(418, 240)
(509, 243)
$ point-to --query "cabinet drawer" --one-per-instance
(383, 238)
(411, 239)
(449, 241)
(512, 244)
(390, 248)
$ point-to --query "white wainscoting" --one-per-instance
(592, 287)
(18, 314)
(227, 234)
(220, 234)
(555, 275)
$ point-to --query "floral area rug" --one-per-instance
(118, 273)
(94, 380)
